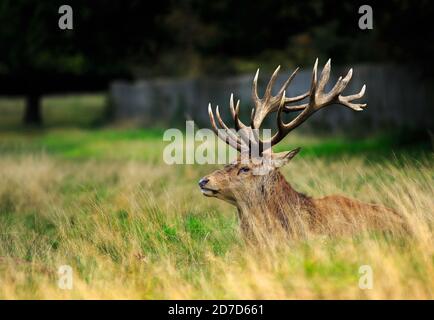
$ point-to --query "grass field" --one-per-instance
(130, 226)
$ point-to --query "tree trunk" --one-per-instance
(32, 114)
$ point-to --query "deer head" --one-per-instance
(255, 172)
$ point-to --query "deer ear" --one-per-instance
(282, 158)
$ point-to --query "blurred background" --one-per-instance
(133, 67)
(82, 116)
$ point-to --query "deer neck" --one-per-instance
(283, 190)
(274, 197)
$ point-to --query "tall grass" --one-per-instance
(134, 228)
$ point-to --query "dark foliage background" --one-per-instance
(129, 39)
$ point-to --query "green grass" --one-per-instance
(103, 201)
(145, 144)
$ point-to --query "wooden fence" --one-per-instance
(397, 97)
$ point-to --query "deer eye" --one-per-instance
(243, 169)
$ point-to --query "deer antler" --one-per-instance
(263, 106)
(269, 103)
(318, 99)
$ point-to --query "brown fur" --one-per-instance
(269, 200)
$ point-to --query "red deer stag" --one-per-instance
(266, 197)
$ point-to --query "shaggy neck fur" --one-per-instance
(273, 203)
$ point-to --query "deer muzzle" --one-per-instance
(209, 192)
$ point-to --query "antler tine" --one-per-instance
(325, 75)
(288, 109)
(232, 134)
(334, 96)
(291, 99)
(238, 124)
(318, 100)
(280, 134)
(211, 118)
(267, 95)
(287, 82)
(346, 100)
(235, 113)
(281, 129)
(222, 134)
(343, 83)
(288, 100)
(337, 85)
(224, 126)
(314, 78)
(255, 96)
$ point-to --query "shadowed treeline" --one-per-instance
(136, 40)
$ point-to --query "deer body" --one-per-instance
(272, 202)
(260, 192)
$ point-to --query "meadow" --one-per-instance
(103, 202)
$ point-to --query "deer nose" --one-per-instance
(203, 182)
